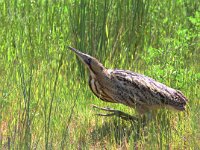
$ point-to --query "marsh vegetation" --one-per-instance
(44, 96)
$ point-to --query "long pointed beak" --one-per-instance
(75, 50)
(83, 57)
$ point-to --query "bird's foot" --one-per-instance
(117, 113)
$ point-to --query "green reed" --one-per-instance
(44, 97)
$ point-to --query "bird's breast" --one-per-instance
(99, 90)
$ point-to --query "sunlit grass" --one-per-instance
(45, 101)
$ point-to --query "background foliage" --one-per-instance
(44, 97)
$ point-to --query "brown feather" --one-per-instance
(129, 88)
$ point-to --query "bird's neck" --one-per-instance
(98, 73)
(101, 76)
(92, 75)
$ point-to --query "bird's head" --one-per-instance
(90, 62)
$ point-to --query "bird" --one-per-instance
(134, 90)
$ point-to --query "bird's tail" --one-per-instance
(179, 101)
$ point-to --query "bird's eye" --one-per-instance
(89, 60)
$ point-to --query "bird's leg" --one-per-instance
(117, 113)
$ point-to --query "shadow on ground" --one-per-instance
(118, 131)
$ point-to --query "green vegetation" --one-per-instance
(44, 97)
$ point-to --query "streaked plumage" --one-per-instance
(129, 88)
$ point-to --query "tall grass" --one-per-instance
(44, 97)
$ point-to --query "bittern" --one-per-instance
(129, 88)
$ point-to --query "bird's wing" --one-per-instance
(144, 90)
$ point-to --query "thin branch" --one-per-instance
(52, 99)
